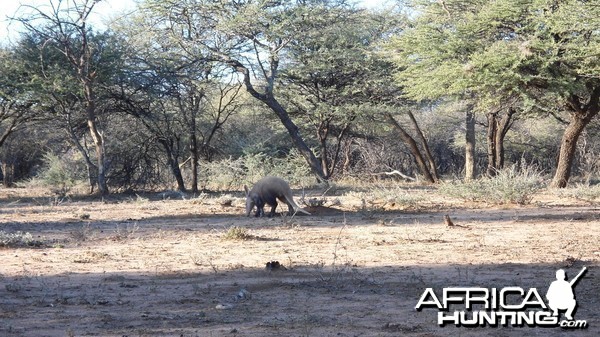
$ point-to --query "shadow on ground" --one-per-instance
(303, 301)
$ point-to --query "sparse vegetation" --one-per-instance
(123, 232)
(237, 233)
(90, 256)
(133, 134)
(584, 192)
(514, 185)
(337, 116)
(230, 173)
(182, 258)
(58, 174)
(398, 196)
(84, 233)
(18, 239)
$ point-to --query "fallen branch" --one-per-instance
(396, 172)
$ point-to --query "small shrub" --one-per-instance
(58, 174)
(123, 233)
(83, 233)
(584, 192)
(508, 186)
(18, 239)
(236, 233)
(221, 175)
(227, 174)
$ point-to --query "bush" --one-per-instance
(513, 185)
(293, 168)
(228, 174)
(584, 192)
(235, 233)
(59, 174)
(18, 239)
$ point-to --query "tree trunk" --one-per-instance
(297, 139)
(82, 148)
(328, 164)
(7, 174)
(567, 151)
(581, 116)
(322, 134)
(324, 159)
(90, 167)
(497, 129)
(173, 163)
(273, 104)
(189, 108)
(194, 153)
(347, 156)
(470, 145)
(97, 138)
(430, 160)
(338, 147)
(492, 167)
(413, 147)
(501, 131)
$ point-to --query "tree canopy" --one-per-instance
(541, 56)
(164, 93)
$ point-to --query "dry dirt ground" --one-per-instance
(154, 266)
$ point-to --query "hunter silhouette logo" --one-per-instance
(506, 306)
(560, 295)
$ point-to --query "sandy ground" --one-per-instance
(153, 266)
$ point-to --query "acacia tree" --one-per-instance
(184, 109)
(63, 25)
(252, 37)
(498, 124)
(59, 99)
(15, 99)
(157, 115)
(565, 54)
(542, 52)
(205, 101)
(423, 158)
(184, 102)
(430, 59)
(17, 103)
(332, 74)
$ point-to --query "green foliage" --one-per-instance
(314, 57)
(59, 174)
(291, 167)
(498, 49)
(164, 79)
(334, 63)
(513, 185)
(229, 173)
(334, 76)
